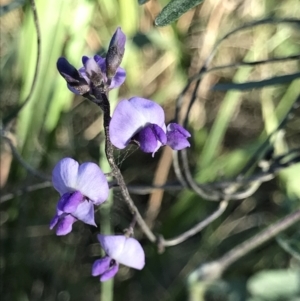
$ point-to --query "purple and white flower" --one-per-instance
(119, 249)
(97, 72)
(143, 121)
(80, 187)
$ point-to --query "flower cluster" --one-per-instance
(136, 120)
(97, 72)
(82, 187)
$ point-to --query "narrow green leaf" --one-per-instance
(276, 80)
(275, 284)
(173, 10)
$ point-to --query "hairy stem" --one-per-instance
(117, 173)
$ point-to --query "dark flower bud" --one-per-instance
(76, 83)
(115, 53)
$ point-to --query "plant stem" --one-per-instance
(117, 173)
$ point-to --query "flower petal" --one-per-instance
(92, 183)
(118, 78)
(83, 74)
(64, 175)
(65, 68)
(85, 213)
(151, 111)
(127, 251)
(62, 201)
(133, 254)
(177, 136)
(130, 116)
(124, 124)
(100, 61)
(65, 225)
(147, 140)
(110, 273)
(160, 134)
(76, 83)
(115, 53)
(72, 202)
(106, 267)
(112, 244)
(177, 141)
(93, 71)
(118, 41)
(177, 127)
(67, 71)
(101, 265)
(151, 138)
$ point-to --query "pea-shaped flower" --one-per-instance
(119, 249)
(80, 187)
(143, 121)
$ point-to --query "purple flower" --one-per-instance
(177, 136)
(97, 72)
(143, 121)
(81, 187)
(119, 249)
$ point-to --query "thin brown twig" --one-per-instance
(229, 189)
(253, 183)
(214, 270)
(197, 228)
(200, 189)
(21, 191)
(26, 166)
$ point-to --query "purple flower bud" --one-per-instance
(143, 121)
(177, 136)
(93, 71)
(119, 249)
(81, 187)
(76, 83)
(115, 53)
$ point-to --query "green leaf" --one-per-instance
(173, 10)
(276, 80)
(275, 284)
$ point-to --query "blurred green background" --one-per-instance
(226, 127)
